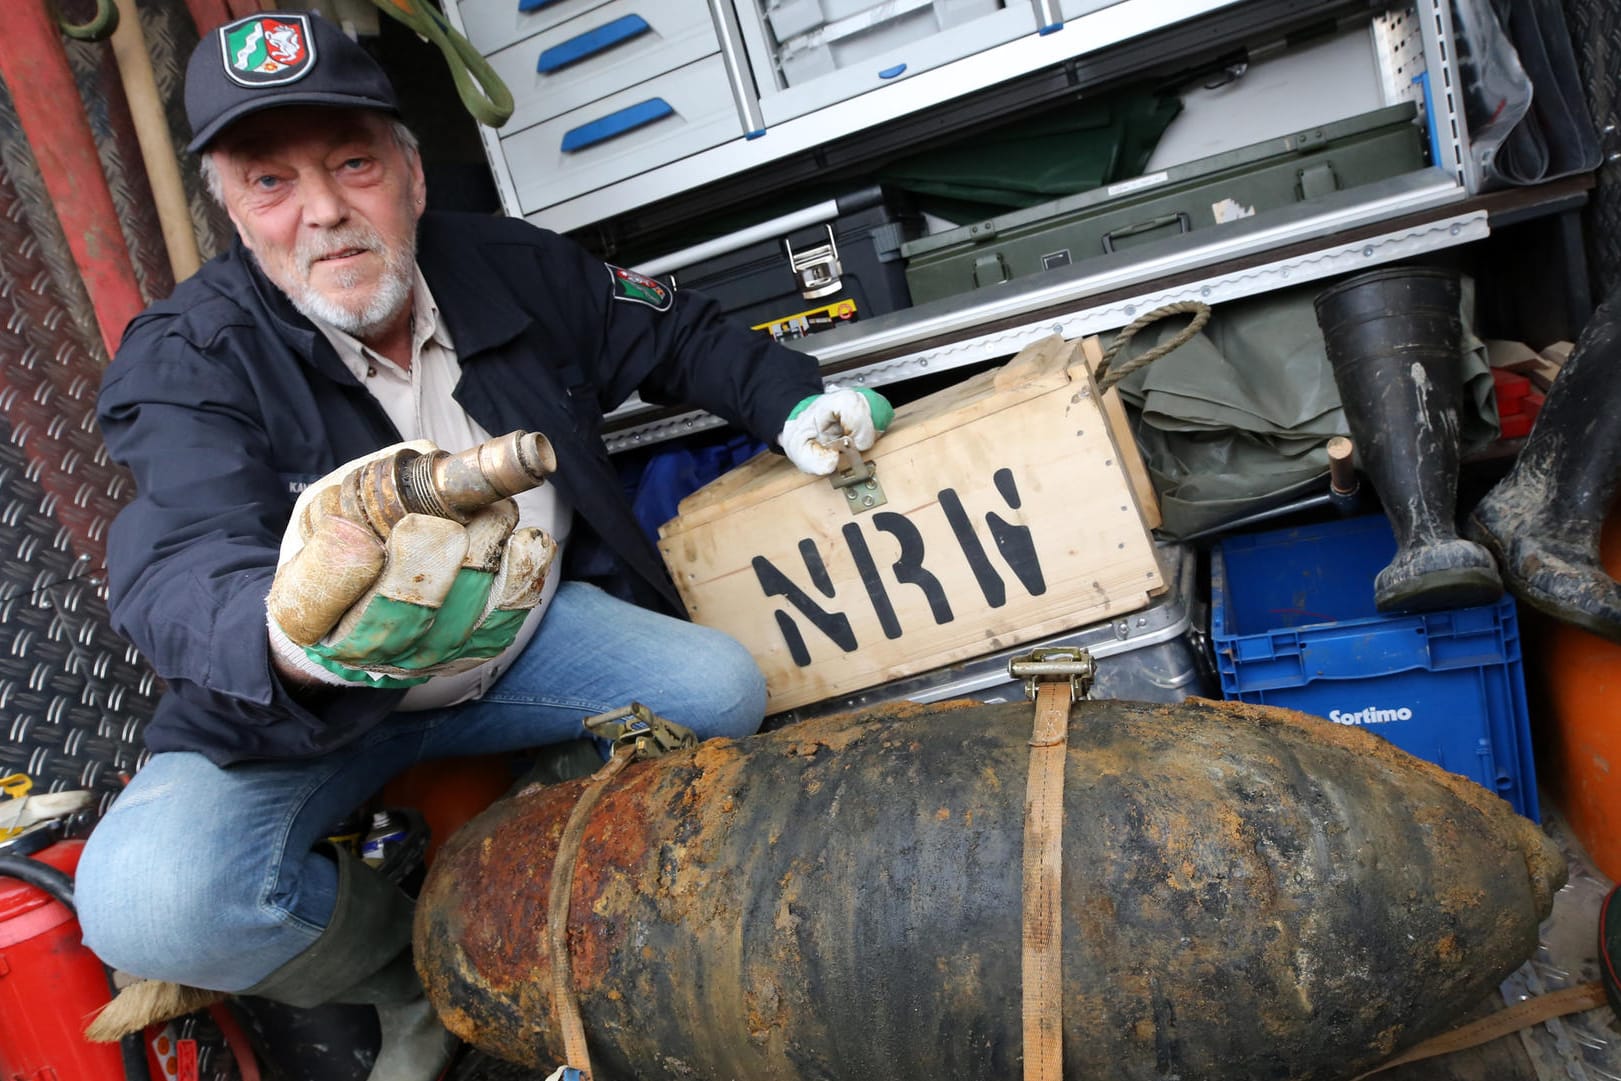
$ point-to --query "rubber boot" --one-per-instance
(364, 956)
(413, 1044)
(1394, 339)
(555, 763)
(1543, 520)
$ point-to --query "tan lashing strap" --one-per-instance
(1522, 1015)
(1055, 678)
(565, 1008)
(1043, 866)
(633, 732)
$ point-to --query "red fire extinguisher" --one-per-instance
(50, 984)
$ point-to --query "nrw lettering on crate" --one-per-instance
(1014, 506)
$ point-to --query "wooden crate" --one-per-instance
(1013, 512)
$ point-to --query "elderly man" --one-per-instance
(344, 321)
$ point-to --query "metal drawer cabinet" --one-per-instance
(1074, 9)
(807, 54)
(494, 24)
(652, 123)
(611, 47)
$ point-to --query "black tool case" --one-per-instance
(814, 269)
(1185, 198)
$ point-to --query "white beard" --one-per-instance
(392, 292)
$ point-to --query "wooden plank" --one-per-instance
(1142, 485)
(1010, 516)
(1035, 371)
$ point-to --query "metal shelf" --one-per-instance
(907, 95)
(1127, 37)
(1411, 215)
(1380, 223)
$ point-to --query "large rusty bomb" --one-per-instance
(1248, 893)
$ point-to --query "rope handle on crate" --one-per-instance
(1108, 376)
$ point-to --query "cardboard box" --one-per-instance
(1005, 509)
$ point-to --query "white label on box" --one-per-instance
(1230, 210)
(1138, 183)
(1370, 715)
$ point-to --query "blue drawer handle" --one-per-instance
(533, 5)
(591, 42)
(890, 73)
(614, 124)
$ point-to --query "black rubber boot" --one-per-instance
(364, 956)
(1394, 338)
(555, 763)
(1543, 520)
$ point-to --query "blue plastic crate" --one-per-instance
(1293, 625)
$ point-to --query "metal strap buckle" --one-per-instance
(1050, 664)
(818, 269)
(639, 728)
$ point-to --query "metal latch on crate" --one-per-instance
(818, 269)
(1050, 664)
(857, 479)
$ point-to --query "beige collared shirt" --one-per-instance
(419, 403)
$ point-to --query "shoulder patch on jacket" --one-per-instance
(640, 289)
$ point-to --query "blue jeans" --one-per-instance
(205, 875)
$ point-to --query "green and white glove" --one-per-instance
(818, 425)
(436, 596)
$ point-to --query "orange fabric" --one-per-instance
(449, 792)
(1582, 766)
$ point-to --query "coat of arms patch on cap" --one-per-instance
(267, 50)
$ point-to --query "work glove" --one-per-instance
(818, 426)
(348, 607)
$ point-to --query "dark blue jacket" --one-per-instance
(223, 401)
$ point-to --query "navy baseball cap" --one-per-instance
(278, 58)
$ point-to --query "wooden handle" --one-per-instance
(152, 132)
(1341, 473)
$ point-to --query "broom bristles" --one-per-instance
(147, 1002)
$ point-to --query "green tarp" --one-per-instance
(1239, 416)
(1081, 146)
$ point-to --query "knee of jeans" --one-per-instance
(731, 689)
(144, 912)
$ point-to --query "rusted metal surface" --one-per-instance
(44, 94)
(112, 125)
(1247, 894)
(446, 485)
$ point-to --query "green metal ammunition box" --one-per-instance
(1196, 195)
